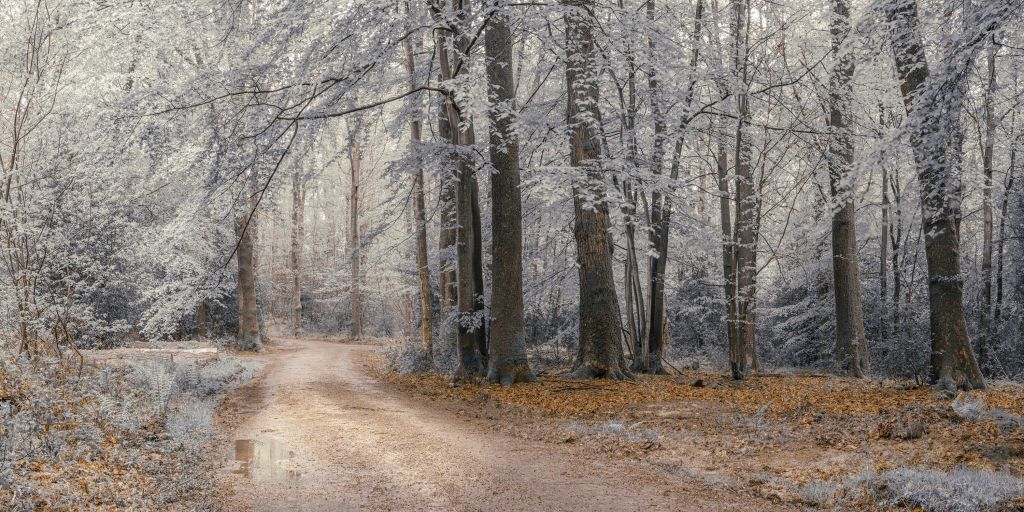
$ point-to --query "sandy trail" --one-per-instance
(347, 444)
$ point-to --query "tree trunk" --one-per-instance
(934, 133)
(1001, 252)
(420, 218)
(985, 322)
(355, 163)
(248, 318)
(883, 245)
(201, 320)
(746, 205)
(471, 340)
(507, 354)
(600, 344)
(298, 219)
(851, 344)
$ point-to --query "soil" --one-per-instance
(320, 430)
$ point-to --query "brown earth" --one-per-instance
(319, 430)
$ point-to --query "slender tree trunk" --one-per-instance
(851, 344)
(883, 246)
(600, 344)
(661, 204)
(746, 204)
(471, 340)
(248, 318)
(201, 320)
(934, 134)
(355, 158)
(420, 218)
(298, 221)
(985, 322)
(447, 238)
(1001, 251)
(507, 354)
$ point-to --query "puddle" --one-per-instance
(263, 460)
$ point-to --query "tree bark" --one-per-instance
(298, 220)
(248, 317)
(355, 158)
(851, 344)
(600, 344)
(201, 320)
(988, 143)
(507, 355)
(471, 339)
(661, 204)
(934, 130)
(746, 205)
(420, 218)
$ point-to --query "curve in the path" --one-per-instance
(346, 444)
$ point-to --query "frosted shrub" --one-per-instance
(190, 423)
(963, 490)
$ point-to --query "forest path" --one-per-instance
(322, 434)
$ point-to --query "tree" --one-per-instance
(419, 215)
(744, 349)
(297, 240)
(600, 337)
(248, 317)
(851, 343)
(507, 351)
(355, 158)
(933, 105)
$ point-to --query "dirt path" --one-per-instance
(342, 442)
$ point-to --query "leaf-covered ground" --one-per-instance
(809, 440)
(125, 436)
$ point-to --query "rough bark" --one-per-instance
(600, 343)
(248, 318)
(507, 355)
(934, 131)
(851, 354)
(298, 220)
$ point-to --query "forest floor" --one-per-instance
(807, 441)
(325, 428)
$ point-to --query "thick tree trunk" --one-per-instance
(355, 158)
(851, 344)
(248, 317)
(934, 132)
(420, 219)
(600, 344)
(507, 354)
(298, 220)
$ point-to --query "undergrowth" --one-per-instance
(128, 436)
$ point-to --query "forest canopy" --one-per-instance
(618, 187)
